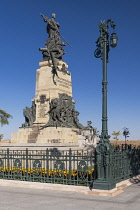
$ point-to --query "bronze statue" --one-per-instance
(62, 113)
(30, 115)
(54, 45)
(52, 26)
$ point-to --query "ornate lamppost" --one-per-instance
(104, 148)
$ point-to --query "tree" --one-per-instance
(4, 116)
(116, 134)
(1, 136)
(126, 133)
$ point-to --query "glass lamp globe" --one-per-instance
(113, 40)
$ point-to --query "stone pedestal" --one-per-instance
(45, 136)
(47, 89)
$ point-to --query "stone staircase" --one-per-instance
(32, 138)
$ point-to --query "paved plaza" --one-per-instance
(17, 198)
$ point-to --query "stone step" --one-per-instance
(32, 138)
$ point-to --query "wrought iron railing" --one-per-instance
(125, 161)
(49, 166)
(116, 163)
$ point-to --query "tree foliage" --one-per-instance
(116, 134)
(126, 133)
(4, 117)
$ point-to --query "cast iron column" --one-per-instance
(104, 148)
(104, 86)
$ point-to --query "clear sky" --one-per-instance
(23, 31)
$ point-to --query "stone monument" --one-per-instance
(88, 136)
(52, 117)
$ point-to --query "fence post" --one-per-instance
(47, 163)
(70, 164)
(26, 163)
(8, 163)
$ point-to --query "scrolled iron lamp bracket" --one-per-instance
(104, 37)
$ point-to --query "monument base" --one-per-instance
(46, 135)
(39, 146)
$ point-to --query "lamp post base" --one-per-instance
(104, 165)
(103, 185)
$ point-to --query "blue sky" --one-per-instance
(23, 32)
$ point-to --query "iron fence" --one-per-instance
(116, 163)
(49, 166)
(126, 163)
